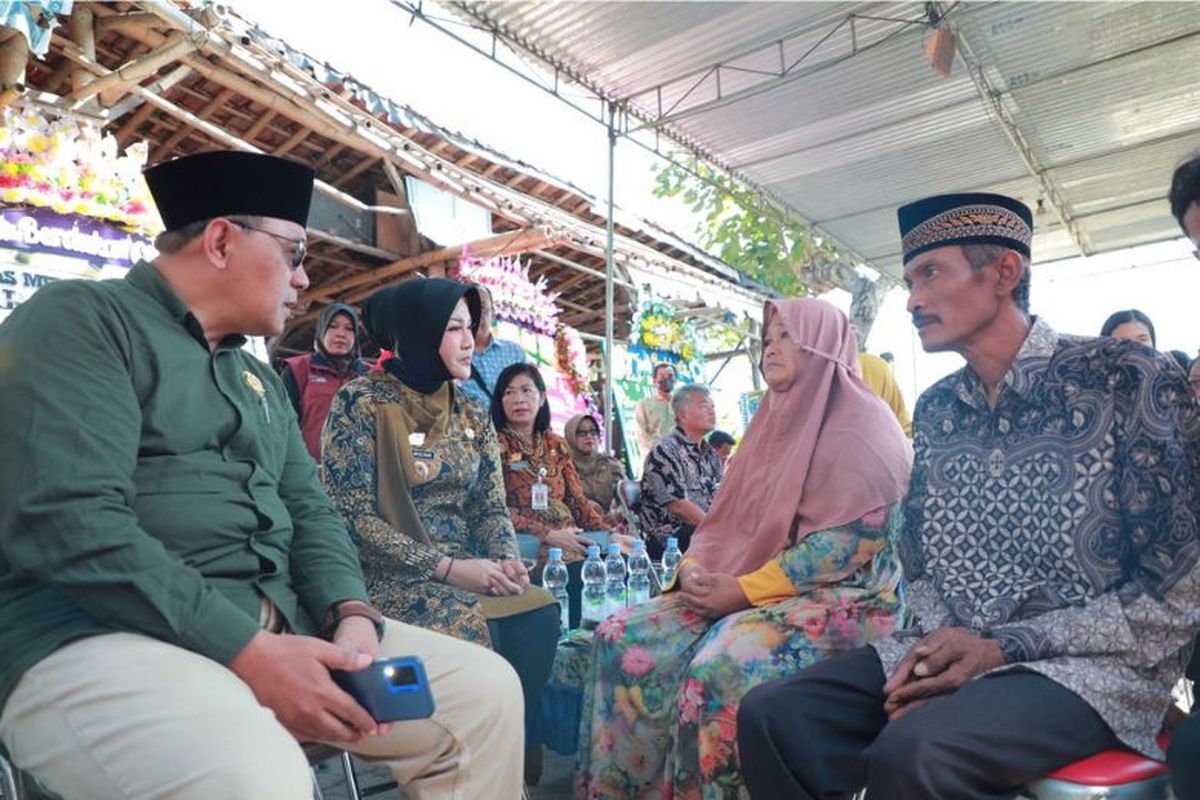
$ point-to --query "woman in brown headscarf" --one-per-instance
(598, 473)
(794, 561)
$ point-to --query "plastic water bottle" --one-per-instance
(554, 579)
(670, 560)
(614, 586)
(595, 600)
(639, 574)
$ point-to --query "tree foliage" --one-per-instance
(740, 227)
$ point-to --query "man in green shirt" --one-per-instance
(174, 583)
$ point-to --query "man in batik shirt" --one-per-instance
(681, 473)
(1050, 549)
(1184, 755)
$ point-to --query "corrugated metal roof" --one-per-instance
(1105, 96)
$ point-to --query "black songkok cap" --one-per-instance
(222, 183)
(971, 218)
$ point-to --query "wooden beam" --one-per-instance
(567, 283)
(521, 241)
(356, 170)
(259, 126)
(133, 123)
(296, 138)
(329, 155)
(168, 147)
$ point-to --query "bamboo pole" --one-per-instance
(14, 56)
(217, 134)
(368, 135)
(174, 48)
(81, 29)
(510, 243)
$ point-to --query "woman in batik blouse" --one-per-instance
(533, 456)
(413, 466)
(793, 562)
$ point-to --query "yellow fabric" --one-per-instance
(766, 585)
(672, 584)
(879, 377)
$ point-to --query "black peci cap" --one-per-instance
(228, 182)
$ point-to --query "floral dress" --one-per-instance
(660, 709)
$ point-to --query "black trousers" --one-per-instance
(528, 642)
(823, 734)
(1184, 758)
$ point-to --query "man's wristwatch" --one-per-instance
(350, 608)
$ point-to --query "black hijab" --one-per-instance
(410, 320)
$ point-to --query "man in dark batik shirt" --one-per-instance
(1050, 549)
(681, 473)
(1184, 755)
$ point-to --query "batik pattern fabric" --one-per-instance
(524, 461)
(1063, 522)
(676, 469)
(461, 505)
(660, 709)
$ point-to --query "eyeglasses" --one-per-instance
(587, 433)
(300, 246)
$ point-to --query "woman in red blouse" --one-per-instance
(545, 497)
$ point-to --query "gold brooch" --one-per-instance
(257, 387)
(255, 384)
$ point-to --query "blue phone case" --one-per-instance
(390, 689)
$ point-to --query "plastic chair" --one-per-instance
(629, 494)
(1112, 774)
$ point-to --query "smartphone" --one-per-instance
(390, 689)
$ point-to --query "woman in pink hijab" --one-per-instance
(793, 562)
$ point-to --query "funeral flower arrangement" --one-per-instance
(572, 358)
(71, 168)
(656, 327)
(515, 298)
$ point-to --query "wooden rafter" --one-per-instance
(505, 244)
(356, 170)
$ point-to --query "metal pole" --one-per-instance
(609, 275)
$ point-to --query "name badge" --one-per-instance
(518, 465)
(539, 496)
(419, 452)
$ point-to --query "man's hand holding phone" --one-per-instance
(291, 676)
(390, 689)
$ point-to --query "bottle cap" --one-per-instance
(556, 552)
(614, 549)
(639, 546)
(593, 550)
(672, 541)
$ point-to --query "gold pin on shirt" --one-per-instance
(257, 387)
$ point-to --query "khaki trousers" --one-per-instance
(125, 716)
